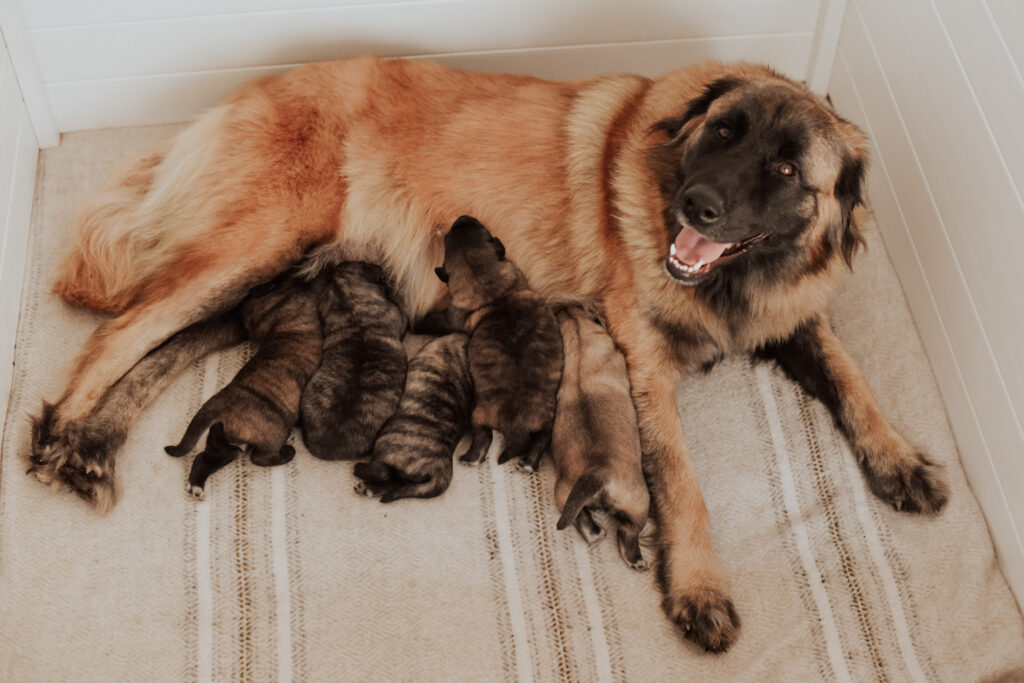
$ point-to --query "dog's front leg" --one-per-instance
(696, 594)
(896, 471)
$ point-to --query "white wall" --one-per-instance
(937, 85)
(124, 62)
(18, 155)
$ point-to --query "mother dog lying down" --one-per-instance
(707, 212)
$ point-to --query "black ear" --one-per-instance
(846, 234)
(698, 106)
(441, 273)
(499, 248)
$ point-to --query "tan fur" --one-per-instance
(379, 157)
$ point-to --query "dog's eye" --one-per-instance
(787, 169)
(724, 132)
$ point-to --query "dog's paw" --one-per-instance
(197, 492)
(706, 616)
(912, 484)
(70, 457)
(362, 489)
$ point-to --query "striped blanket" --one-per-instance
(286, 574)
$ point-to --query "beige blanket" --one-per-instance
(286, 574)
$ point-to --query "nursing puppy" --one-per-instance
(258, 408)
(596, 441)
(515, 350)
(412, 457)
(362, 367)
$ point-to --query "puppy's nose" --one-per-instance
(702, 205)
(466, 222)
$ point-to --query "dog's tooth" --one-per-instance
(672, 249)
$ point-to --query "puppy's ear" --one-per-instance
(442, 274)
(499, 248)
(698, 106)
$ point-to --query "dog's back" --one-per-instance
(362, 371)
(596, 442)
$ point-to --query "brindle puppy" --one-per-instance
(596, 439)
(412, 457)
(362, 370)
(515, 350)
(260, 405)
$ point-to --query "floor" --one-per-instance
(287, 574)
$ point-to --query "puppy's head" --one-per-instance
(475, 267)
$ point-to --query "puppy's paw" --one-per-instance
(70, 456)
(470, 459)
(912, 483)
(362, 489)
(705, 615)
(197, 492)
(526, 466)
(640, 565)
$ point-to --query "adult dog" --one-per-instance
(707, 212)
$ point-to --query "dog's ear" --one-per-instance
(844, 233)
(442, 274)
(698, 106)
(499, 248)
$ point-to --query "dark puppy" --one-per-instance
(515, 349)
(596, 441)
(260, 405)
(363, 365)
(412, 457)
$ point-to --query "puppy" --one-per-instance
(412, 457)
(596, 442)
(363, 364)
(260, 405)
(515, 349)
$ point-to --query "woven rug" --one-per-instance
(286, 574)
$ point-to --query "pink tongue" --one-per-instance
(692, 248)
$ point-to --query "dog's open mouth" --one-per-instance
(692, 256)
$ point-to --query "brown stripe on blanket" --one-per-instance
(540, 499)
(784, 526)
(243, 573)
(507, 644)
(826, 497)
(296, 582)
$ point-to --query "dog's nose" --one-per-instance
(702, 205)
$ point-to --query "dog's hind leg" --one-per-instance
(219, 453)
(206, 280)
(538, 443)
(628, 537)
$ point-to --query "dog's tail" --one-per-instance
(135, 225)
(584, 492)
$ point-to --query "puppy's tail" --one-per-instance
(199, 424)
(587, 488)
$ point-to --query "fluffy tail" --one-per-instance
(586, 489)
(137, 221)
